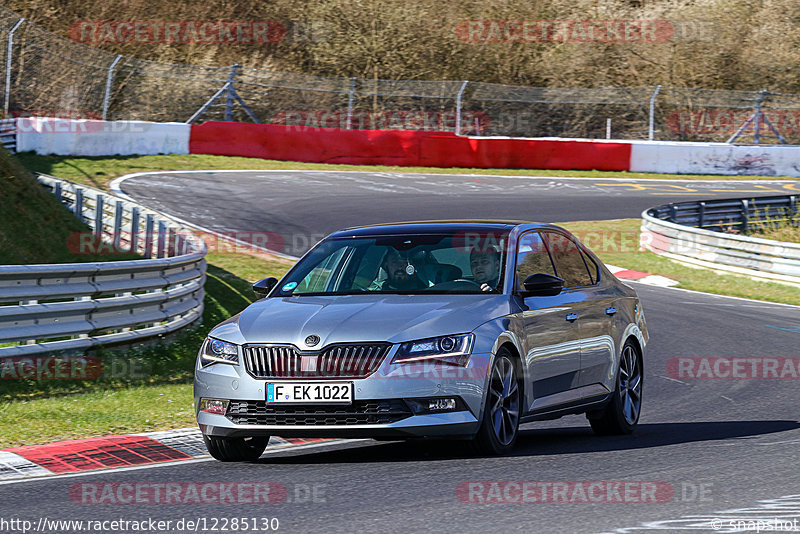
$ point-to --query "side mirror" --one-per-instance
(542, 285)
(262, 287)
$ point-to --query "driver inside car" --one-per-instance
(401, 274)
(485, 266)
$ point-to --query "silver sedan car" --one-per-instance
(446, 329)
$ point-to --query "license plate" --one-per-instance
(310, 393)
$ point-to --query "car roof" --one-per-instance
(432, 227)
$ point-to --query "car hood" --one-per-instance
(348, 318)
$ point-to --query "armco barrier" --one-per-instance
(8, 134)
(77, 306)
(684, 232)
(403, 148)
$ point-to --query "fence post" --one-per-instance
(117, 225)
(745, 215)
(458, 106)
(98, 216)
(78, 208)
(134, 229)
(350, 99)
(148, 236)
(651, 128)
(702, 215)
(230, 93)
(162, 239)
(757, 126)
(9, 52)
(109, 82)
(172, 242)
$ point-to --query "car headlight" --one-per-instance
(454, 350)
(218, 351)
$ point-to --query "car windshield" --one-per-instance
(458, 262)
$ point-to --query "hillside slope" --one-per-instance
(719, 44)
(34, 226)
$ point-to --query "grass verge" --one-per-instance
(99, 171)
(617, 243)
(131, 394)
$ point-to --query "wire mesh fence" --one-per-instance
(48, 75)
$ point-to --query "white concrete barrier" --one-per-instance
(83, 137)
(714, 158)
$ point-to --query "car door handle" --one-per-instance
(571, 317)
(611, 310)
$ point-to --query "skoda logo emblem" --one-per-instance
(312, 340)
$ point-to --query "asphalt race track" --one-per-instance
(304, 206)
(718, 443)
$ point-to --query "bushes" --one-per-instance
(720, 44)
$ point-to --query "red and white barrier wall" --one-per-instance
(84, 137)
(714, 158)
(403, 147)
(398, 147)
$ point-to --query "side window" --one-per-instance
(319, 278)
(532, 257)
(568, 260)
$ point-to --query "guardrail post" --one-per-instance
(162, 237)
(117, 225)
(180, 244)
(702, 215)
(148, 236)
(9, 53)
(673, 213)
(134, 230)
(78, 208)
(171, 243)
(57, 192)
(98, 216)
(745, 215)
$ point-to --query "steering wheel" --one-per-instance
(473, 282)
(455, 284)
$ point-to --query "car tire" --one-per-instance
(621, 414)
(500, 424)
(236, 449)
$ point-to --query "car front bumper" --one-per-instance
(391, 383)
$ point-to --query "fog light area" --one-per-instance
(216, 406)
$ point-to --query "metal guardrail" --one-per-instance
(78, 306)
(8, 134)
(710, 234)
